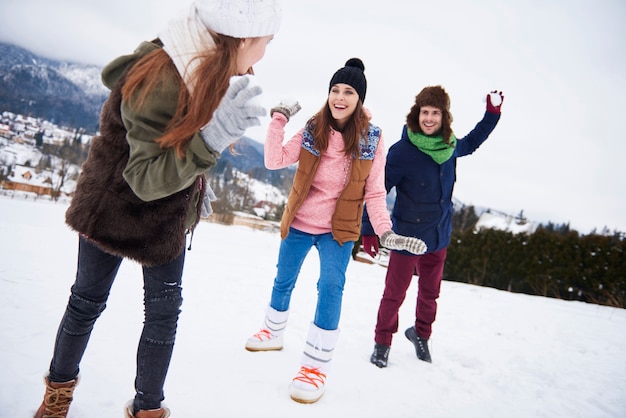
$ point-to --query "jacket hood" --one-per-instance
(113, 71)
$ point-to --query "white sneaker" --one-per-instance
(308, 385)
(264, 340)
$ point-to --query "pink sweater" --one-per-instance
(314, 216)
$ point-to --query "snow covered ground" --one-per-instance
(495, 354)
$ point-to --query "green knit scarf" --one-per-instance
(434, 146)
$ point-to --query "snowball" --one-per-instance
(289, 101)
(496, 99)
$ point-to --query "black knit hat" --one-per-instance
(352, 75)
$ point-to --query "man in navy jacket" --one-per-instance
(422, 168)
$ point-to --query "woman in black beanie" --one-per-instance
(340, 159)
(171, 113)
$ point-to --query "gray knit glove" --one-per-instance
(400, 242)
(234, 115)
(209, 196)
(287, 107)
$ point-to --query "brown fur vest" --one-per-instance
(106, 211)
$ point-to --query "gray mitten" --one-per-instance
(234, 115)
(287, 107)
(209, 197)
(402, 243)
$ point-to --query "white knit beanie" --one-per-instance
(240, 18)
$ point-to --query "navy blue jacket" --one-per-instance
(423, 206)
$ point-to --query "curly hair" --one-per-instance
(434, 96)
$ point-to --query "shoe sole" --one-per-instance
(377, 364)
(302, 396)
(263, 348)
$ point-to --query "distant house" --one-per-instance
(264, 207)
(26, 179)
(5, 130)
(244, 219)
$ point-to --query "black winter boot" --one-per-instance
(421, 344)
(380, 356)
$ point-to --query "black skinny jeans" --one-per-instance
(162, 302)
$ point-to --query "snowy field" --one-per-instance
(495, 354)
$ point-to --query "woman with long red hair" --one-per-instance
(175, 106)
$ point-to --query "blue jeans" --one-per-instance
(334, 260)
(162, 301)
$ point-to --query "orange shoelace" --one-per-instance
(312, 376)
(262, 335)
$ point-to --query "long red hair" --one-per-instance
(193, 111)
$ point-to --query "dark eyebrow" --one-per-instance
(348, 86)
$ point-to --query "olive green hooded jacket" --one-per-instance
(133, 198)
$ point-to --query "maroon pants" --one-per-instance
(429, 268)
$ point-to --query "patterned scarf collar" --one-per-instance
(434, 146)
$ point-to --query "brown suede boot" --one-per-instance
(57, 399)
(152, 413)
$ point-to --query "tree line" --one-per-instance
(554, 261)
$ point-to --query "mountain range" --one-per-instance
(71, 94)
(65, 93)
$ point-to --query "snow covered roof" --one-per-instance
(509, 223)
(28, 175)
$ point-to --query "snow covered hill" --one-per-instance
(66, 93)
(495, 354)
(504, 222)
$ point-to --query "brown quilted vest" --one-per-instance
(346, 220)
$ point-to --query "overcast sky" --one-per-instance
(557, 153)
